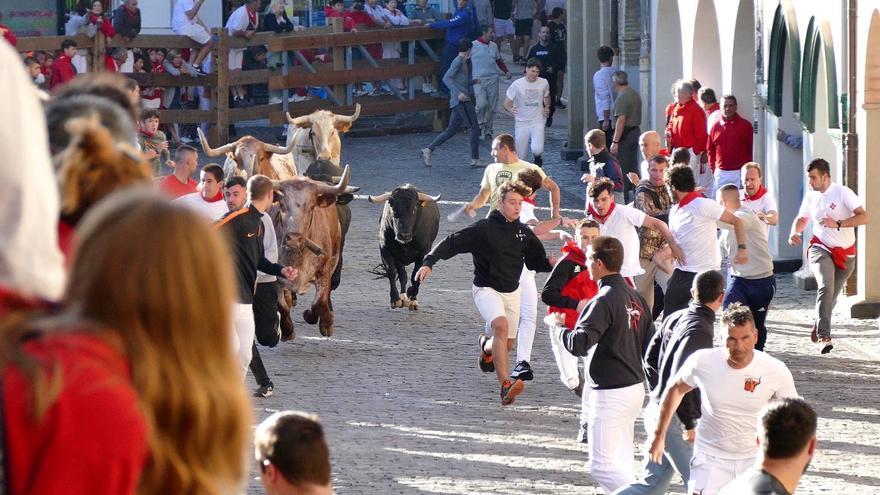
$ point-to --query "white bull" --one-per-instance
(316, 136)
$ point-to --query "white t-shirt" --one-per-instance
(212, 210)
(732, 399)
(238, 20)
(528, 98)
(694, 230)
(622, 224)
(838, 202)
(179, 19)
(527, 213)
(499, 173)
(765, 204)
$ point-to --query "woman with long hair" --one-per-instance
(131, 385)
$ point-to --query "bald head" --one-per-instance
(649, 143)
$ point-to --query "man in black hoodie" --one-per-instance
(500, 244)
(683, 333)
(614, 330)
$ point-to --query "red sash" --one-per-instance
(838, 254)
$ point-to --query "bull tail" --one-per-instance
(381, 271)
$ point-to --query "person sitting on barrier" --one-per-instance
(185, 21)
(127, 19)
(242, 23)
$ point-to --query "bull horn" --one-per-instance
(313, 247)
(211, 152)
(276, 188)
(338, 188)
(353, 117)
(300, 121)
(380, 198)
(279, 150)
(425, 197)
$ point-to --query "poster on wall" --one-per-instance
(31, 18)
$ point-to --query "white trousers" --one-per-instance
(565, 361)
(709, 474)
(528, 314)
(611, 422)
(703, 174)
(529, 132)
(723, 177)
(243, 335)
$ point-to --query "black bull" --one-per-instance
(409, 224)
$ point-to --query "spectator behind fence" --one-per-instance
(63, 70)
(457, 27)
(290, 449)
(110, 395)
(242, 23)
(391, 50)
(127, 20)
(115, 60)
(152, 141)
(34, 71)
(185, 21)
(787, 438)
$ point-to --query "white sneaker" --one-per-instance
(274, 100)
(297, 98)
(426, 156)
(427, 88)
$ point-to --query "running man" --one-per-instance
(528, 100)
(500, 245)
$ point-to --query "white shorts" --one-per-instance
(195, 32)
(493, 304)
(236, 58)
(709, 474)
(504, 27)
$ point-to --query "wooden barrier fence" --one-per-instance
(339, 78)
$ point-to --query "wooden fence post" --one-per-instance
(222, 104)
(338, 56)
(98, 52)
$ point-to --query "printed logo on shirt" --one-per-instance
(520, 235)
(832, 206)
(533, 97)
(577, 269)
(503, 176)
(634, 310)
(751, 384)
(251, 235)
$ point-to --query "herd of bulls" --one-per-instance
(311, 234)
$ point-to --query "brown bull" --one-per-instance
(316, 136)
(249, 156)
(309, 237)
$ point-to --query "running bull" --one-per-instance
(310, 240)
(316, 136)
(249, 156)
(407, 229)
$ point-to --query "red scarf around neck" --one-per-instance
(595, 214)
(574, 253)
(530, 201)
(145, 133)
(217, 197)
(252, 18)
(761, 191)
(689, 197)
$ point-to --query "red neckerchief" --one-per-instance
(838, 254)
(689, 197)
(712, 108)
(530, 201)
(664, 152)
(483, 40)
(252, 17)
(595, 214)
(574, 253)
(145, 133)
(93, 18)
(217, 197)
(761, 191)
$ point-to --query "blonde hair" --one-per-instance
(172, 325)
(754, 165)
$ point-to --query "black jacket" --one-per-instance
(552, 59)
(125, 24)
(499, 249)
(245, 230)
(683, 333)
(270, 23)
(618, 322)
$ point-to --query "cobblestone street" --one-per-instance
(407, 411)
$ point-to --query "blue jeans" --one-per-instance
(756, 294)
(676, 459)
(463, 114)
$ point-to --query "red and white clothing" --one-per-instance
(839, 202)
(761, 202)
(687, 126)
(212, 209)
(692, 222)
(713, 114)
(241, 19)
(621, 222)
(730, 147)
(173, 187)
(731, 401)
(62, 71)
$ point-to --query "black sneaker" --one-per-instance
(264, 390)
(485, 361)
(549, 122)
(522, 371)
(510, 390)
(825, 345)
(561, 105)
(582, 434)
(200, 71)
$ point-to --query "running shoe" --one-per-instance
(426, 156)
(582, 433)
(265, 390)
(510, 390)
(477, 163)
(561, 105)
(485, 362)
(825, 345)
(522, 371)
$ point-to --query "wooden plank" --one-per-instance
(332, 40)
(148, 79)
(186, 116)
(153, 41)
(253, 113)
(51, 43)
(387, 69)
(251, 77)
(379, 105)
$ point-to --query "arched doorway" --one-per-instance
(706, 51)
(666, 58)
(868, 126)
(741, 79)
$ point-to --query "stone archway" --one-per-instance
(740, 80)
(666, 55)
(868, 127)
(706, 48)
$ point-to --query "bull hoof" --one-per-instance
(397, 304)
(413, 305)
(327, 332)
(310, 317)
(287, 337)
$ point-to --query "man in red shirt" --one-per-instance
(180, 182)
(8, 34)
(63, 69)
(730, 144)
(686, 128)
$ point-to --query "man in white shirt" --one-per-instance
(242, 23)
(621, 221)
(833, 211)
(735, 384)
(209, 199)
(528, 100)
(692, 221)
(603, 87)
(185, 21)
(755, 196)
(753, 283)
